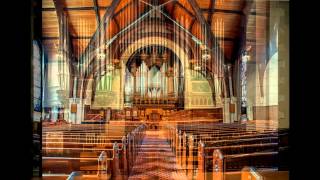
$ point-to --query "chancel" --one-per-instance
(162, 89)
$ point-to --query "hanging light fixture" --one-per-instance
(205, 53)
(100, 54)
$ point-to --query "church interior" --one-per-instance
(161, 89)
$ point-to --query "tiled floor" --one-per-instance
(156, 160)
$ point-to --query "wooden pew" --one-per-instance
(250, 173)
(80, 153)
(240, 146)
(233, 158)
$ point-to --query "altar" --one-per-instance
(153, 117)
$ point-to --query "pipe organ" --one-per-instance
(154, 77)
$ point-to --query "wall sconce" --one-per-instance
(246, 57)
(205, 54)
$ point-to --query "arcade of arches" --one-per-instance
(162, 89)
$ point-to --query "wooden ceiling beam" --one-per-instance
(240, 42)
(228, 11)
(213, 10)
(122, 9)
(96, 10)
(101, 27)
(75, 8)
(185, 9)
(88, 37)
(191, 24)
(71, 37)
(62, 26)
(117, 23)
(173, 6)
(207, 28)
(211, 7)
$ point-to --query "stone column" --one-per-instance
(89, 91)
(80, 112)
(234, 115)
(232, 104)
(249, 110)
(226, 110)
(134, 83)
(54, 113)
(146, 85)
(134, 87)
(282, 11)
(72, 115)
(170, 81)
(78, 116)
(170, 85)
(245, 57)
(66, 113)
(229, 66)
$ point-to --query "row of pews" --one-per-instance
(196, 115)
(225, 151)
(90, 151)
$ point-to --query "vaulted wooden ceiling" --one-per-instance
(84, 15)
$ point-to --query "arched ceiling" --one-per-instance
(84, 16)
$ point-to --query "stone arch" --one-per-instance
(158, 41)
(149, 41)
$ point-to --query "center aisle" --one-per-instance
(155, 159)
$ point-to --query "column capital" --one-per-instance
(234, 99)
(226, 100)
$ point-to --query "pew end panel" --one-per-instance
(250, 173)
